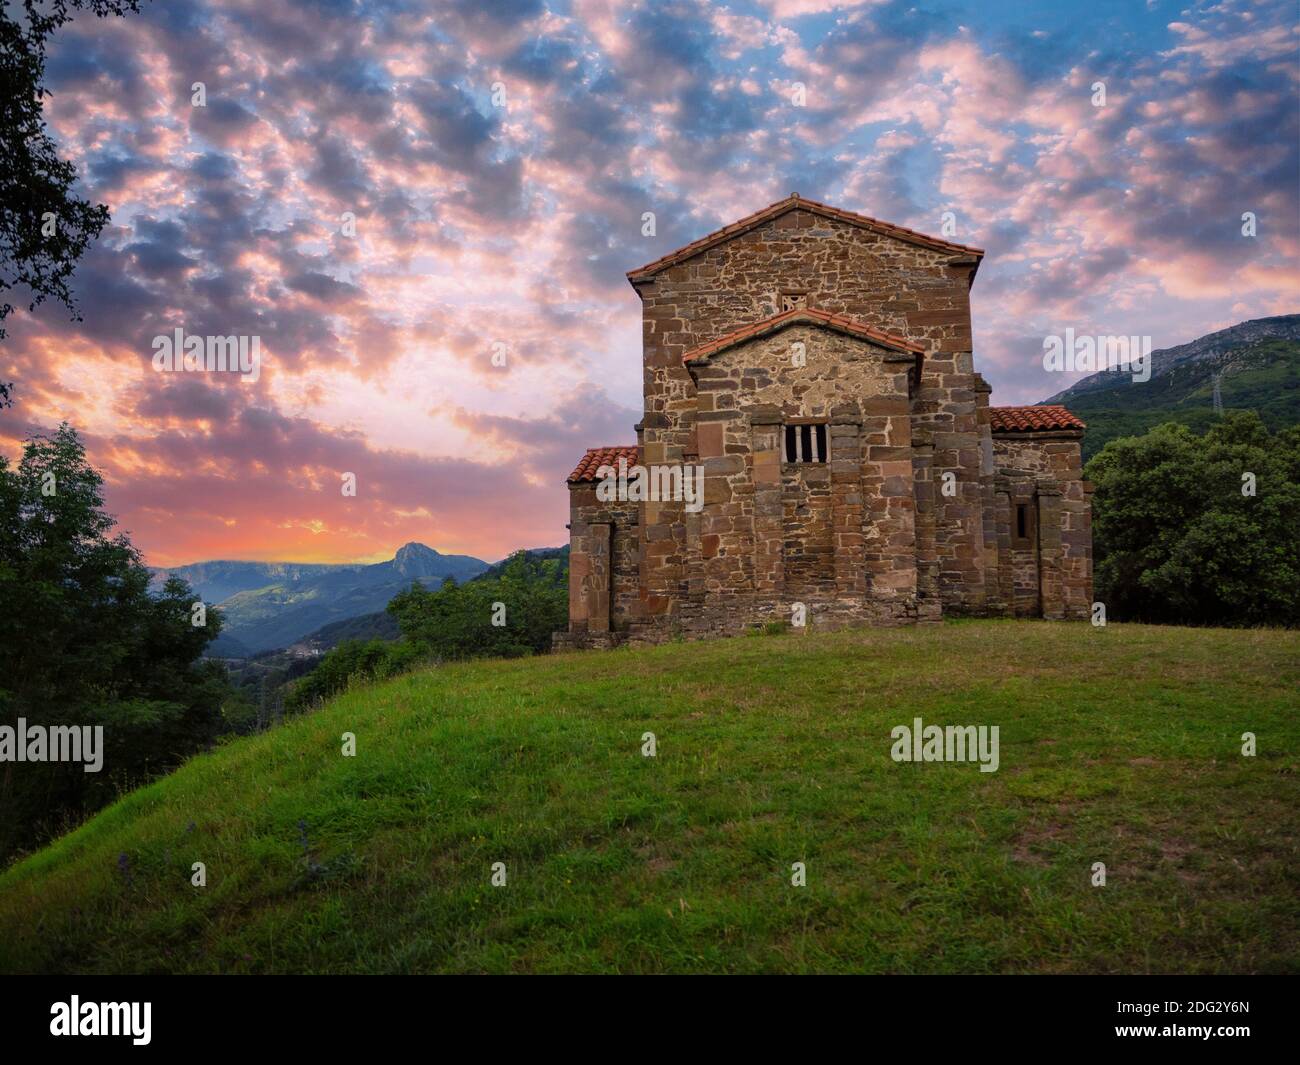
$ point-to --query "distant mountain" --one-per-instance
(216, 581)
(381, 625)
(228, 647)
(1258, 363)
(274, 604)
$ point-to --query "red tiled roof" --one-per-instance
(596, 457)
(1032, 419)
(839, 322)
(796, 202)
(1003, 419)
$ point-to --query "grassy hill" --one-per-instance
(1118, 745)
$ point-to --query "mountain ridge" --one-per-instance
(380, 625)
(1210, 346)
(269, 605)
(1253, 366)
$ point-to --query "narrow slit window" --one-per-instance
(1022, 521)
(805, 443)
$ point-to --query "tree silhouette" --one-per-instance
(44, 227)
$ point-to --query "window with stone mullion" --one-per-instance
(804, 443)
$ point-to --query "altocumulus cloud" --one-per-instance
(475, 224)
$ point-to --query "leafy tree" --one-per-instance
(84, 642)
(465, 620)
(35, 184)
(1177, 540)
(368, 660)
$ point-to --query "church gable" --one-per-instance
(802, 259)
(804, 366)
(797, 316)
(809, 212)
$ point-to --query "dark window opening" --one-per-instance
(805, 443)
(1022, 521)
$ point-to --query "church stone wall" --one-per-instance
(837, 537)
(1045, 471)
(913, 517)
(604, 564)
(915, 292)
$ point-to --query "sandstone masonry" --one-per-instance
(818, 366)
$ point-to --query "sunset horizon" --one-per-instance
(425, 219)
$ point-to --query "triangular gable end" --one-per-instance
(840, 323)
(794, 202)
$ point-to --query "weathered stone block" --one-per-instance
(915, 513)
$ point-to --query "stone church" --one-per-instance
(816, 366)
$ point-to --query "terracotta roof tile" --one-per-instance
(1032, 419)
(791, 203)
(1003, 419)
(839, 322)
(596, 457)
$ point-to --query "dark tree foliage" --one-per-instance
(457, 620)
(362, 660)
(35, 257)
(84, 642)
(1177, 541)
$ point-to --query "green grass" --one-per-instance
(1118, 745)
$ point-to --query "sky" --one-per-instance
(497, 160)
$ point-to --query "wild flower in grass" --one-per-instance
(124, 867)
